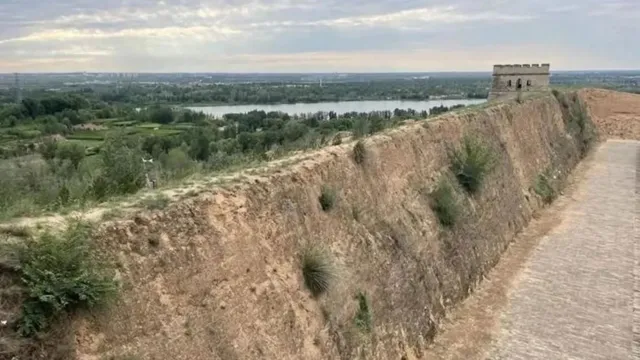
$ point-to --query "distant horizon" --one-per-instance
(298, 72)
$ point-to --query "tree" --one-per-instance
(123, 171)
(72, 152)
(32, 107)
(48, 149)
(161, 115)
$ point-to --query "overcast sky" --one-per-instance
(316, 35)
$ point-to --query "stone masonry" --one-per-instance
(509, 80)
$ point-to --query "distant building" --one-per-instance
(509, 80)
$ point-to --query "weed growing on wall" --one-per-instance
(317, 269)
(544, 189)
(359, 152)
(444, 204)
(61, 273)
(363, 319)
(471, 163)
(327, 198)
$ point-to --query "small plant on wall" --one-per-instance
(327, 198)
(471, 163)
(444, 203)
(359, 152)
(318, 269)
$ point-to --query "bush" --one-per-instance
(61, 273)
(544, 189)
(178, 163)
(122, 172)
(327, 198)
(363, 318)
(317, 270)
(359, 152)
(72, 152)
(471, 163)
(445, 204)
(360, 127)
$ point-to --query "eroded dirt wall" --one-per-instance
(218, 276)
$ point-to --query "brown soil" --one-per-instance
(616, 115)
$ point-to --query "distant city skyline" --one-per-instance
(307, 36)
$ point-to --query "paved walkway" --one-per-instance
(575, 297)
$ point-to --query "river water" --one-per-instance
(339, 107)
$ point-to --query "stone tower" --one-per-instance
(509, 80)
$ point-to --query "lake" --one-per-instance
(340, 107)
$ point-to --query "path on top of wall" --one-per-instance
(575, 293)
(575, 297)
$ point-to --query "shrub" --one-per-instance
(61, 273)
(178, 163)
(72, 152)
(123, 171)
(360, 127)
(471, 163)
(363, 318)
(445, 204)
(359, 152)
(337, 140)
(317, 270)
(544, 189)
(327, 198)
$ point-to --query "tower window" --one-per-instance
(528, 82)
(509, 83)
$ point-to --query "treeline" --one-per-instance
(277, 93)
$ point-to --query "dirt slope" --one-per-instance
(218, 276)
(617, 115)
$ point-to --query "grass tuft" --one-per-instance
(544, 189)
(327, 198)
(471, 163)
(444, 204)
(359, 152)
(317, 269)
(363, 318)
(61, 273)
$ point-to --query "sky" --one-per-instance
(316, 35)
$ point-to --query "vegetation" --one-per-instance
(92, 151)
(60, 273)
(317, 269)
(327, 198)
(544, 188)
(444, 204)
(359, 152)
(363, 319)
(471, 163)
(157, 202)
(16, 231)
(577, 120)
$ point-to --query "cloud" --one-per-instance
(214, 35)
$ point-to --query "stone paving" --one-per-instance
(575, 297)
